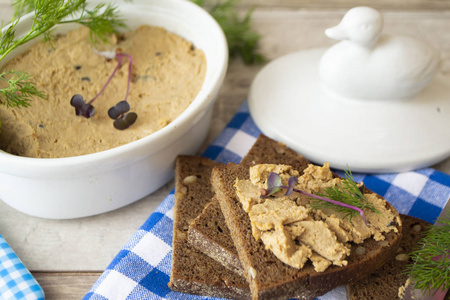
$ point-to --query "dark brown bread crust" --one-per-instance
(274, 279)
(268, 151)
(192, 271)
(384, 283)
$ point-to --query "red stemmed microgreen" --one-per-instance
(119, 113)
(346, 198)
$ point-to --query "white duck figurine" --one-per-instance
(368, 65)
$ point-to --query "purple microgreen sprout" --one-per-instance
(125, 121)
(119, 112)
(291, 183)
(274, 184)
(87, 109)
(120, 108)
(82, 108)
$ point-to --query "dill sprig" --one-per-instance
(242, 40)
(346, 192)
(430, 269)
(20, 89)
(101, 20)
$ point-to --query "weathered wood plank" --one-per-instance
(327, 4)
(66, 285)
(85, 244)
(409, 5)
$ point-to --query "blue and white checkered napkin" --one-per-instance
(16, 282)
(141, 270)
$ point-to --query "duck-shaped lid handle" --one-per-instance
(367, 64)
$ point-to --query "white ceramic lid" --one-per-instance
(288, 103)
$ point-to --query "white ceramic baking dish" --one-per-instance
(73, 187)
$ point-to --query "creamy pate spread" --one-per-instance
(294, 231)
(167, 74)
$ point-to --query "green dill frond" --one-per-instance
(242, 40)
(20, 90)
(343, 211)
(22, 7)
(199, 2)
(48, 13)
(431, 259)
(103, 20)
(49, 38)
(7, 37)
(346, 192)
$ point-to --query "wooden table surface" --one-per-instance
(67, 256)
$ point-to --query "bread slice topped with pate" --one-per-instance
(293, 246)
(209, 233)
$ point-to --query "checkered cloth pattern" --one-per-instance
(141, 270)
(16, 282)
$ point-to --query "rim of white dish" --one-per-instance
(209, 89)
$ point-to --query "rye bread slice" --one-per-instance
(192, 271)
(384, 283)
(268, 277)
(209, 232)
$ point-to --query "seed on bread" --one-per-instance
(383, 243)
(182, 190)
(181, 234)
(360, 250)
(190, 179)
(402, 257)
(280, 149)
(252, 272)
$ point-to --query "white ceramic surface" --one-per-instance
(91, 184)
(290, 103)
